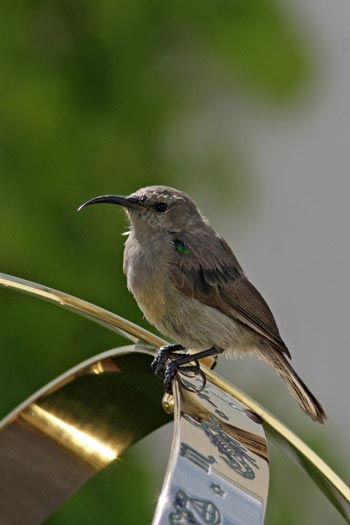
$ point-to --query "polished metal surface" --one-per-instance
(326, 479)
(323, 476)
(218, 471)
(72, 428)
(113, 322)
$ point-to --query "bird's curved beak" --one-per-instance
(127, 202)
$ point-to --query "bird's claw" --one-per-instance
(174, 369)
(170, 365)
(164, 353)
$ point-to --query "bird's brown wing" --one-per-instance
(209, 272)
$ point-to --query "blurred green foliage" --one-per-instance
(89, 92)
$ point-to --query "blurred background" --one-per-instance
(242, 104)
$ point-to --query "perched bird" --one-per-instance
(188, 283)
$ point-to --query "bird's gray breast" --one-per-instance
(145, 268)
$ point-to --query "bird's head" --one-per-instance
(156, 209)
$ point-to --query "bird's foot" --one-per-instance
(170, 365)
(165, 353)
(180, 365)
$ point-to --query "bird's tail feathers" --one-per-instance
(306, 400)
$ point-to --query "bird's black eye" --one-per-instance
(161, 207)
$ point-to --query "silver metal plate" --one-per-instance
(218, 472)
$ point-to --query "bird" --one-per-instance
(189, 284)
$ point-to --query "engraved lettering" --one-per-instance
(196, 457)
(193, 511)
(232, 452)
(221, 414)
(217, 489)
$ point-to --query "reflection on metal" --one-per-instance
(218, 476)
(15, 441)
(74, 427)
(79, 442)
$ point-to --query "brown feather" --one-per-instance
(212, 275)
(305, 398)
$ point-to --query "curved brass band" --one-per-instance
(329, 482)
(78, 306)
(74, 427)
